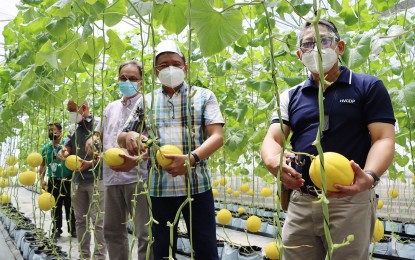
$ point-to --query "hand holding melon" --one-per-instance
(166, 149)
(337, 169)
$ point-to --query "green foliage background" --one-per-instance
(56, 50)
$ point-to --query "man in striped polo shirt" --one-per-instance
(167, 120)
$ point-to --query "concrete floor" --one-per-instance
(25, 199)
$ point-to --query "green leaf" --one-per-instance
(114, 13)
(395, 30)
(8, 34)
(335, 5)
(61, 8)
(71, 52)
(383, 5)
(259, 41)
(240, 112)
(47, 53)
(303, 9)
(87, 30)
(409, 94)
(238, 49)
(349, 16)
(57, 27)
(261, 86)
(144, 8)
(79, 92)
(284, 7)
(261, 171)
(27, 77)
(32, 2)
(5, 79)
(396, 69)
(401, 160)
(95, 45)
(358, 55)
(234, 138)
(116, 47)
(224, 27)
(36, 26)
(244, 171)
(293, 81)
(172, 15)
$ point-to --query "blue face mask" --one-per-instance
(128, 88)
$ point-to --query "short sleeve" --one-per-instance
(97, 125)
(378, 105)
(284, 102)
(71, 130)
(212, 114)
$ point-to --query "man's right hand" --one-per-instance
(62, 154)
(290, 178)
(93, 145)
(134, 143)
(44, 185)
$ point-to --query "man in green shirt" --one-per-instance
(59, 181)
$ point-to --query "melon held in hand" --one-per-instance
(337, 169)
(112, 158)
(166, 149)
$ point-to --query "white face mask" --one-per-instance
(75, 117)
(171, 76)
(328, 55)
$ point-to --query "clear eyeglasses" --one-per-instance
(326, 42)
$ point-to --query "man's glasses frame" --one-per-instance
(326, 42)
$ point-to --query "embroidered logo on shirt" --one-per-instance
(347, 100)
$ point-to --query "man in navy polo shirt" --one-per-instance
(359, 124)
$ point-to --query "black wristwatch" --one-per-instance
(375, 178)
(197, 159)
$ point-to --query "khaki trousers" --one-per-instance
(88, 204)
(123, 202)
(303, 227)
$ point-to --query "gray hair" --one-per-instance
(132, 62)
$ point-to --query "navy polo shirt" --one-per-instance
(350, 104)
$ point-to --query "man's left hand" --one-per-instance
(362, 181)
(84, 165)
(178, 165)
(130, 161)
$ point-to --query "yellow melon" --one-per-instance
(215, 193)
(72, 162)
(272, 251)
(34, 159)
(224, 216)
(244, 188)
(166, 149)
(12, 171)
(253, 224)
(27, 178)
(46, 201)
(112, 158)
(266, 192)
(11, 160)
(4, 182)
(378, 231)
(5, 198)
(337, 169)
